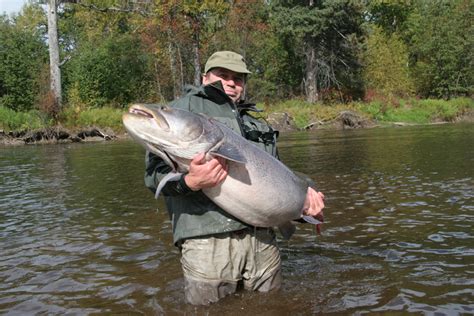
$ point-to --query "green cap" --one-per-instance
(228, 60)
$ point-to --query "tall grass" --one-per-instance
(417, 111)
(409, 111)
(11, 120)
(99, 117)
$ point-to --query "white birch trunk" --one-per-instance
(54, 63)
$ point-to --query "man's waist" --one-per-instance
(250, 230)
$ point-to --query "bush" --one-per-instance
(386, 65)
(12, 120)
(112, 72)
(440, 36)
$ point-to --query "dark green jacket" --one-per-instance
(192, 213)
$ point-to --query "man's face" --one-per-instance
(233, 82)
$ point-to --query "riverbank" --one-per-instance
(103, 124)
(281, 121)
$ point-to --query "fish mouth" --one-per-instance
(140, 110)
(143, 111)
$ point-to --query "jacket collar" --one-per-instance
(215, 92)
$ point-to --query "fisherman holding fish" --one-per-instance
(220, 253)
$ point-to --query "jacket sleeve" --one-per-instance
(155, 170)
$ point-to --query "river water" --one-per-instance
(80, 234)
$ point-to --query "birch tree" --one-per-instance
(54, 62)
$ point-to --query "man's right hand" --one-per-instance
(205, 174)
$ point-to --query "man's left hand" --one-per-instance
(314, 204)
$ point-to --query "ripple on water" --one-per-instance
(409, 245)
(65, 285)
(120, 291)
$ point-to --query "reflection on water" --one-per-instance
(80, 233)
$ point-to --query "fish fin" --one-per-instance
(287, 230)
(311, 220)
(229, 152)
(172, 176)
(166, 159)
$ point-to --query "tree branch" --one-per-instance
(65, 60)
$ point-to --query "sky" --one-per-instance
(11, 6)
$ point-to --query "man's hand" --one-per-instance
(205, 174)
(314, 204)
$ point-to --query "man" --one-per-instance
(219, 252)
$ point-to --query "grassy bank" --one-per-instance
(303, 113)
(69, 118)
(406, 111)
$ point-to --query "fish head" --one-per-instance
(173, 134)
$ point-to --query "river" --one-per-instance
(80, 234)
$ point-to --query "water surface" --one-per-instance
(80, 234)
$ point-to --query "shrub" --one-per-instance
(12, 120)
(112, 72)
(386, 64)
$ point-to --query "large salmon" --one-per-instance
(259, 189)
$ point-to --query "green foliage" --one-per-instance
(441, 48)
(300, 110)
(248, 32)
(331, 29)
(22, 56)
(418, 111)
(111, 72)
(277, 68)
(390, 15)
(304, 113)
(100, 117)
(409, 110)
(12, 120)
(386, 64)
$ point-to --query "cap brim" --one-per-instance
(234, 68)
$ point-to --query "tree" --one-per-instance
(247, 31)
(22, 56)
(390, 15)
(54, 62)
(113, 71)
(441, 43)
(386, 68)
(324, 34)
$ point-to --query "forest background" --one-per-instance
(389, 60)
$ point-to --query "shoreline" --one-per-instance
(280, 121)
